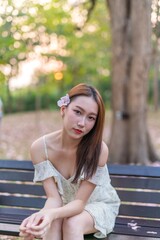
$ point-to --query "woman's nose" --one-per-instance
(81, 122)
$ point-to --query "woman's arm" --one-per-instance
(43, 219)
(53, 201)
(37, 153)
(38, 223)
(53, 197)
(77, 205)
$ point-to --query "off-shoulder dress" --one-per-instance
(103, 204)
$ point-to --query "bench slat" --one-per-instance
(134, 170)
(22, 189)
(14, 215)
(141, 222)
(135, 182)
(140, 211)
(14, 211)
(141, 231)
(9, 229)
(31, 202)
(114, 169)
(16, 164)
(139, 197)
(16, 176)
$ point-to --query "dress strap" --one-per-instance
(45, 147)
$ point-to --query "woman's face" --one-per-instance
(80, 116)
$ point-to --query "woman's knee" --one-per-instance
(55, 230)
(72, 224)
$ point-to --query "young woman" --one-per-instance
(71, 163)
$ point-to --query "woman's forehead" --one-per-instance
(86, 103)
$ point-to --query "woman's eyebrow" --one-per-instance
(92, 113)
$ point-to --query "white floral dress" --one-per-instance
(103, 204)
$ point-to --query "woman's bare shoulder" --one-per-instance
(103, 155)
(37, 150)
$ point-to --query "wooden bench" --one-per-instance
(138, 188)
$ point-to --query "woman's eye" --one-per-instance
(92, 118)
(77, 112)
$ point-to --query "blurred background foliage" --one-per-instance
(48, 46)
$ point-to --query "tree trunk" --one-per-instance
(155, 80)
(131, 38)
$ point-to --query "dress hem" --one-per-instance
(101, 232)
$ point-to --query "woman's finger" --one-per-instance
(35, 221)
(38, 234)
(32, 220)
(24, 223)
(26, 235)
(43, 224)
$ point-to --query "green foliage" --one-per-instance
(29, 100)
(11, 42)
(55, 31)
(27, 29)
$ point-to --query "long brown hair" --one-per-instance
(89, 148)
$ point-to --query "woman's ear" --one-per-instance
(63, 108)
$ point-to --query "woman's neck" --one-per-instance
(68, 142)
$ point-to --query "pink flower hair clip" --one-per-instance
(64, 101)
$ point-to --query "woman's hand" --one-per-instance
(23, 230)
(37, 224)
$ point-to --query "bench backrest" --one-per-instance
(16, 179)
(138, 188)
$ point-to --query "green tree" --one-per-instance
(13, 47)
(36, 28)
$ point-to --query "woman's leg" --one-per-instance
(55, 231)
(75, 227)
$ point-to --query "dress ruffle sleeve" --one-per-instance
(98, 177)
(44, 170)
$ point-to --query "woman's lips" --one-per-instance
(77, 131)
